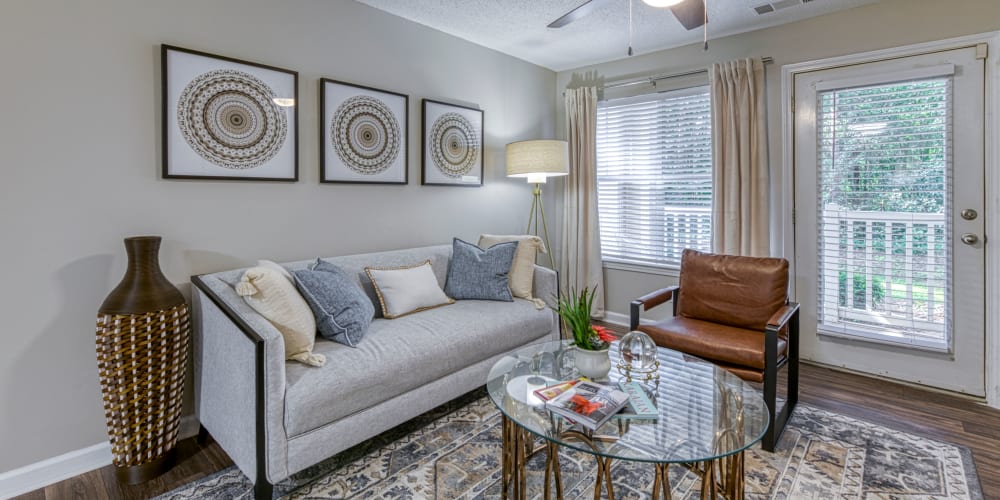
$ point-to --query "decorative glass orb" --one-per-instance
(638, 358)
(638, 352)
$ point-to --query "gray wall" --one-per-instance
(79, 149)
(889, 23)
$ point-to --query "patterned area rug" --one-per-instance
(453, 452)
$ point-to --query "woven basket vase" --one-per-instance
(142, 343)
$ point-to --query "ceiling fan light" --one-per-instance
(662, 3)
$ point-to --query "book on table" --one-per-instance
(639, 406)
(588, 404)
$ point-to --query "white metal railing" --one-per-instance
(686, 227)
(885, 276)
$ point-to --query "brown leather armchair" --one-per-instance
(733, 311)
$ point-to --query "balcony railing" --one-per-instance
(885, 276)
(657, 241)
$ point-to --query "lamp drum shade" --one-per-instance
(538, 158)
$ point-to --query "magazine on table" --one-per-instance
(588, 404)
(639, 406)
(550, 392)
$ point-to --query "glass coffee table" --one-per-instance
(707, 418)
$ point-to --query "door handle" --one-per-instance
(970, 239)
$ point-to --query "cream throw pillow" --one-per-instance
(405, 290)
(522, 271)
(275, 298)
(277, 267)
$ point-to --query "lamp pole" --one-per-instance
(537, 209)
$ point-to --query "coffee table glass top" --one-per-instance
(705, 412)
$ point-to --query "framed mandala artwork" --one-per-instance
(363, 134)
(228, 119)
(453, 145)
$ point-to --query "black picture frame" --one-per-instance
(461, 163)
(199, 84)
(379, 150)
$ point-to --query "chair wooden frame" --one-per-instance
(787, 316)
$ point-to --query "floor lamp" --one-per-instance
(537, 161)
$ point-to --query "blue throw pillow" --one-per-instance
(343, 311)
(474, 273)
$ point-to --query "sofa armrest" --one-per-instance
(239, 379)
(546, 288)
(546, 285)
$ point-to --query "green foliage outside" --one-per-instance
(883, 148)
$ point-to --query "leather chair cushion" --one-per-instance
(738, 291)
(748, 374)
(721, 344)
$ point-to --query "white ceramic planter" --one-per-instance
(593, 364)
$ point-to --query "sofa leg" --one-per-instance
(263, 490)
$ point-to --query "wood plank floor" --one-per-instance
(917, 411)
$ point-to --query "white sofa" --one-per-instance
(275, 418)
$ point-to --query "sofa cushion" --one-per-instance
(478, 274)
(275, 298)
(343, 312)
(723, 344)
(406, 290)
(522, 271)
(402, 354)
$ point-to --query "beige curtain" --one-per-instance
(580, 262)
(739, 155)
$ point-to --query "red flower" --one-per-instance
(603, 333)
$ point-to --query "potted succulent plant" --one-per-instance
(591, 341)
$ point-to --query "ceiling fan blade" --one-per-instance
(580, 11)
(690, 13)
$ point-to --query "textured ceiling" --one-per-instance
(518, 27)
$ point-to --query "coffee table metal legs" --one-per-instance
(724, 475)
(603, 474)
(661, 482)
(512, 476)
(731, 476)
(552, 470)
(517, 448)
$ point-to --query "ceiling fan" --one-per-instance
(690, 13)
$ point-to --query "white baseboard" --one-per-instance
(188, 427)
(616, 318)
(52, 470)
(55, 469)
(622, 319)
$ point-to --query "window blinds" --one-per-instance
(654, 176)
(884, 165)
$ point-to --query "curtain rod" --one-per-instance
(654, 79)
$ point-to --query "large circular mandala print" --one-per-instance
(365, 134)
(454, 144)
(230, 119)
